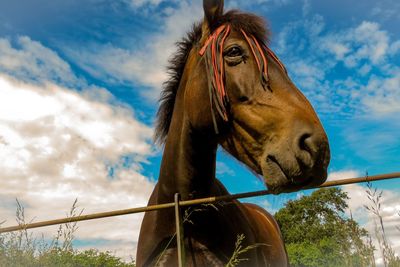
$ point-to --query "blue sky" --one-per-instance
(80, 82)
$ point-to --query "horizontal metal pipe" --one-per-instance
(189, 203)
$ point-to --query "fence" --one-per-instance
(178, 203)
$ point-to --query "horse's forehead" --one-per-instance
(235, 36)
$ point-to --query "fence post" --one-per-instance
(180, 242)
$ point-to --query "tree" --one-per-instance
(318, 233)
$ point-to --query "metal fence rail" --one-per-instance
(187, 203)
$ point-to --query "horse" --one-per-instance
(227, 88)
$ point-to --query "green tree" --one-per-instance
(317, 232)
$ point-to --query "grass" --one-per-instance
(236, 257)
(20, 248)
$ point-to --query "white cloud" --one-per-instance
(394, 47)
(140, 3)
(364, 42)
(386, 10)
(367, 48)
(338, 175)
(275, 2)
(223, 169)
(30, 61)
(383, 94)
(120, 66)
(306, 7)
(365, 51)
(57, 145)
(338, 49)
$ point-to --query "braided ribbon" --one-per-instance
(214, 59)
(213, 52)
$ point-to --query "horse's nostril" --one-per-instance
(312, 149)
(306, 150)
(304, 142)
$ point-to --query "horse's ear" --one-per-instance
(213, 9)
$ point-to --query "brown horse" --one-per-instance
(227, 88)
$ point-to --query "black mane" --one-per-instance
(250, 23)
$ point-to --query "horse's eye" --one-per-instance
(234, 51)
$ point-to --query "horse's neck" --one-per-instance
(188, 164)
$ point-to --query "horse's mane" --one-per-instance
(249, 23)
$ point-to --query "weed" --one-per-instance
(21, 249)
(236, 259)
(388, 255)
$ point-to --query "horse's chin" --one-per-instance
(278, 181)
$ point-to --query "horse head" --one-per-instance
(240, 93)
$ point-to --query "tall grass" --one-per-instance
(20, 248)
(390, 259)
(237, 256)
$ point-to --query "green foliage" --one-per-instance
(317, 232)
(90, 257)
(20, 249)
(57, 257)
(324, 253)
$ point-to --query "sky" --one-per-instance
(80, 81)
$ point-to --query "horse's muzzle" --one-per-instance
(302, 163)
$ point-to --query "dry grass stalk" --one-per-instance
(388, 254)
